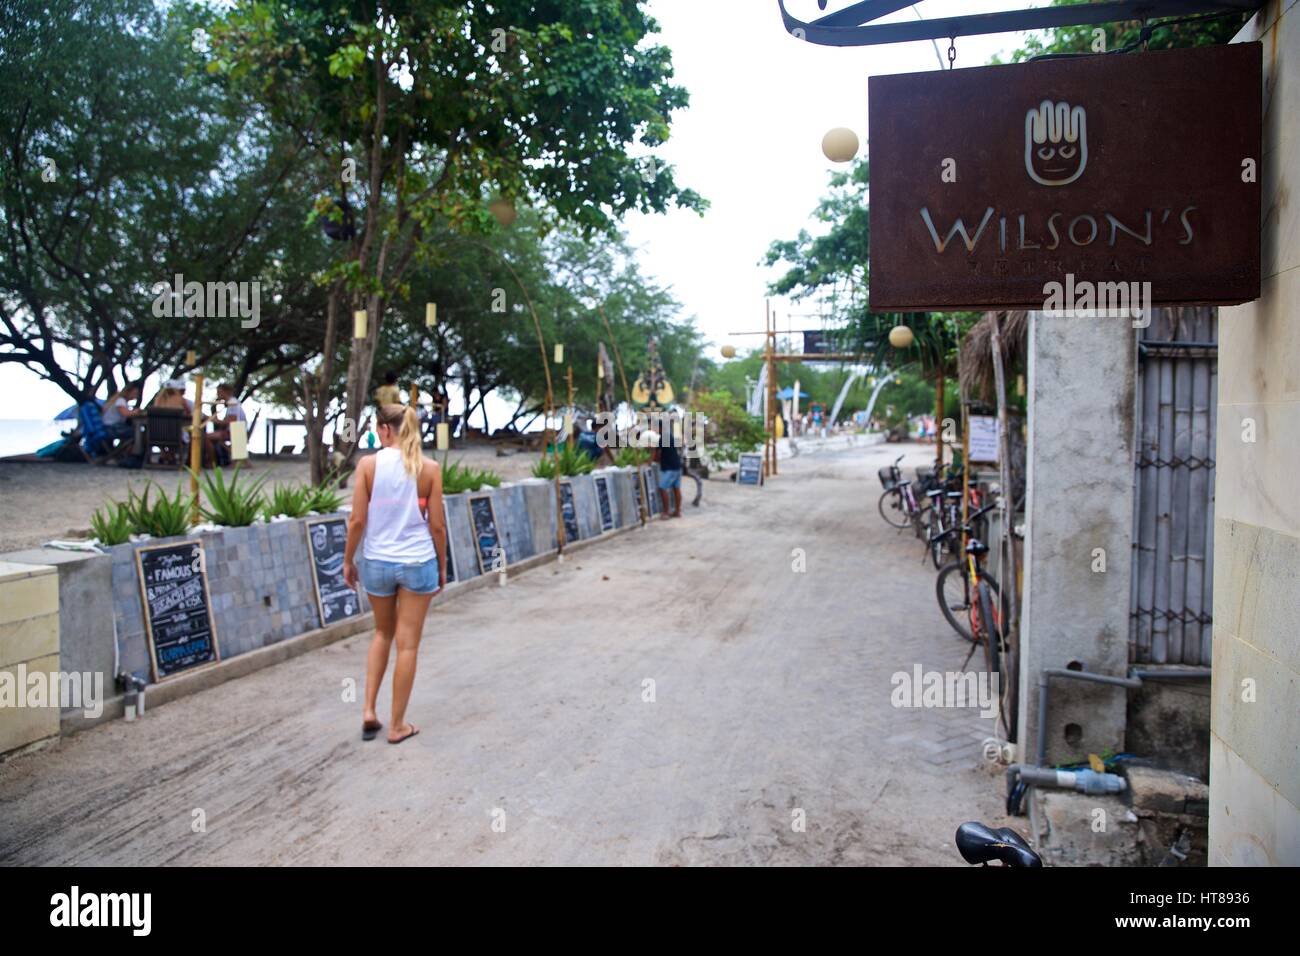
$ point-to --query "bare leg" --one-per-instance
(663, 496)
(411, 609)
(677, 502)
(385, 609)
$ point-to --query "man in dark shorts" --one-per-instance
(669, 456)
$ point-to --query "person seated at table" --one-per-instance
(218, 440)
(172, 396)
(388, 393)
(118, 412)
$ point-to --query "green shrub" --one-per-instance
(112, 524)
(164, 518)
(572, 462)
(457, 478)
(288, 500)
(629, 457)
(324, 498)
(233, 505)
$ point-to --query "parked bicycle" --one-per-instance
(972, 603)
(898, 504)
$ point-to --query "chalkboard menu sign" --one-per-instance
(751, 470)
(487, 540)
(177, 617)
(570, 512)
(451, 561)
(651, 488)
(606, 510)
(327, 539)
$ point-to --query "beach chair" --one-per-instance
(95, 441)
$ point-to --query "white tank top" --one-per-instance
(395, 529)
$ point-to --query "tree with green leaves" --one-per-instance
(1164, 33)
(120, 170)
(420, 112)
(834, 267)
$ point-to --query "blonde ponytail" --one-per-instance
(404, 418)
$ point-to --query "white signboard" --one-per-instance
(983, 438)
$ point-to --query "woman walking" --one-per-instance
(397, 509)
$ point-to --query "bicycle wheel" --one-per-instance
(892, 510)
(921, 522)
(990, 631)
(938, 546)
(1009, 679)
(952, 588)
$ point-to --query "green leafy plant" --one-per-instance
(572, 462)
(164, 518)
(233, 505)
(457, 477)
(629, 457)
(288, 500)
(112, 524)
(324, 498)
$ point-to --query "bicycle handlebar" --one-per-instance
(967, 527)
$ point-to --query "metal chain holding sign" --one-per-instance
(952, 52)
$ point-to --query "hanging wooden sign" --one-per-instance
(1083, 183)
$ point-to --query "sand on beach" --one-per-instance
(46, 501)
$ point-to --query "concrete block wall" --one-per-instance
(1255, 692)
(29, 643)
(1080, 498)
(259, 581)
(259, 586)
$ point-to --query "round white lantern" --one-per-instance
(840, 144)
(900, 336)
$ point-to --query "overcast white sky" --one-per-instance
(750, 142)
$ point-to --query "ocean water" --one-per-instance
(23, 436)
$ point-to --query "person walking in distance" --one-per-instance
(397, 510)
(669, 455)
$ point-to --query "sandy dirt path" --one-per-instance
(771, 695)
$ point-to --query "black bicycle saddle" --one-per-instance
(976, 546)
(978, 843)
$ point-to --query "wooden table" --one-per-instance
(272, 424)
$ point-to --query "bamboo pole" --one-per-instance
(627, 395)
(196, 447)
(550, 398)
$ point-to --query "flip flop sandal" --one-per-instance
(414, 730)
(370, 730)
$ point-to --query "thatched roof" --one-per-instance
(976, 355)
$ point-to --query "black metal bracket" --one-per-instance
(851, 26)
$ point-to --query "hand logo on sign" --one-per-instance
(1056, 143)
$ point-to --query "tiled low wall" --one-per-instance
(29, 643)
(259, 577)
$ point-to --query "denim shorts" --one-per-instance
(670, 478)
(383, 578)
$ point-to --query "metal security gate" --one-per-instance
(1173, 509)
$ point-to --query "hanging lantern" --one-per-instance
(729, 351)
(840, 145)
(503, 210)
(900, 337)
(430, 314)
(359, 324)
